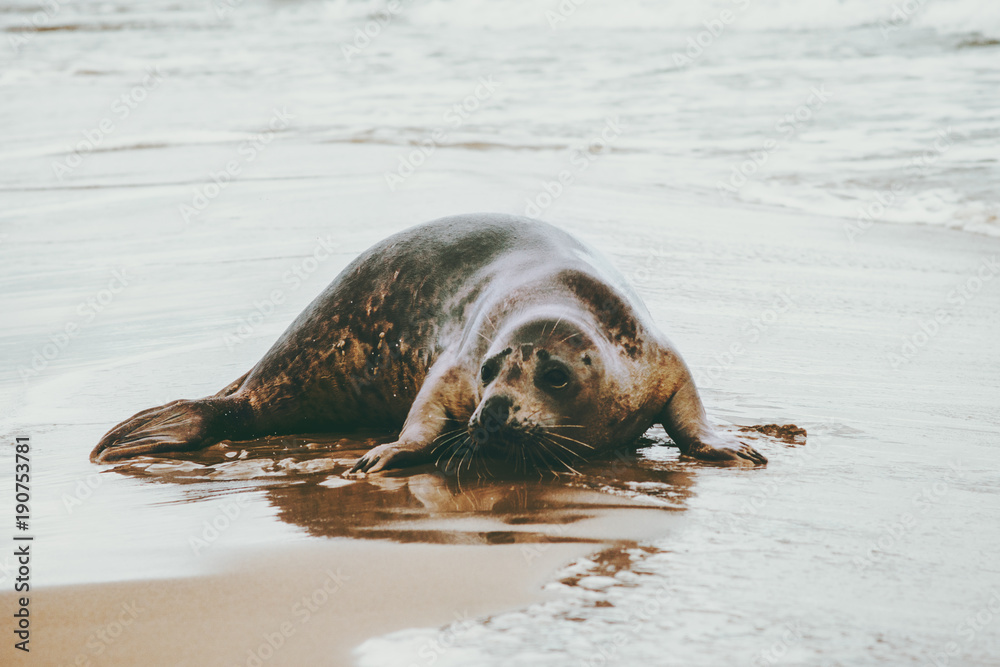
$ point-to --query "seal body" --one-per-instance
(481, 337)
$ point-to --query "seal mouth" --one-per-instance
(511, 448)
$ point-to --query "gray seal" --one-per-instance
(485, 339)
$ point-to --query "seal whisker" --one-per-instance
(510, 456)
(452, 447)
(560, 459)
(466, 457)
(482, 467)
(566, 437)
(534, 414)
(513, 456)
(466, 443)
(454, 450)
(565, 448)
(472, 459)
(545, 448)
(448, 438)
(536, 462)
(568, 337)
(552, 454)
(554, 327)
(549, 465)
(444, 434)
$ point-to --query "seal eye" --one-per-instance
(489, 372)
(491, 367)
(556, 378)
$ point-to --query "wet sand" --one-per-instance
(428, 550)
(807, 543)
(292, 605)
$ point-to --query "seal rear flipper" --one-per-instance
(175, 427)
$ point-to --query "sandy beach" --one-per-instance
(286, 606)
(897, 466)
(162, 259)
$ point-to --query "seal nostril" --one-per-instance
(498, 408)
(496, 412)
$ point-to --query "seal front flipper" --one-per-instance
(177, 426)
(391, 455)
(687, 424)
(430, 423)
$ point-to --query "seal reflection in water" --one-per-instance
(488, 340)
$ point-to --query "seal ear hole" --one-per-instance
(586, 360)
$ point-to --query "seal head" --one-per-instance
(541, 388)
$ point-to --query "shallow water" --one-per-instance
(853, 109)
(874, 543)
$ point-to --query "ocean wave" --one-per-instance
(955, 16)
(961, 16)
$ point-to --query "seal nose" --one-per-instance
(497, 409)
(494, 414)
